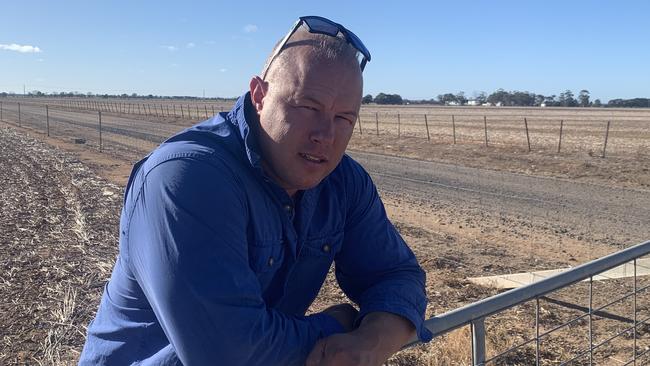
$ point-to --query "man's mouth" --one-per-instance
(313, 158)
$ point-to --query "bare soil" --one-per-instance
(61, 202)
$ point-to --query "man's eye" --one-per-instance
(348, 119)
(308, 108)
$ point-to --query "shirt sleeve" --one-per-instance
(375, 267)
(188, 250)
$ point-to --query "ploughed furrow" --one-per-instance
(59, 224)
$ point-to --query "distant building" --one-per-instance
(452, 103)
(473, 102)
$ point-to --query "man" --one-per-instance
(229, 229)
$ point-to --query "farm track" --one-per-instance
(611, 215)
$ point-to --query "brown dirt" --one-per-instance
(60, 241)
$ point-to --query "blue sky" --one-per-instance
(420, 48)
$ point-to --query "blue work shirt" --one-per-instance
(217, 265)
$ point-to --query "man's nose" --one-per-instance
(323, 131)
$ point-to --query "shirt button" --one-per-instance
(271, 261)
(288, 208)
(326, 248)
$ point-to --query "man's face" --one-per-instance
(307, 114)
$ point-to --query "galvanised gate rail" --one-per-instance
(474, 315)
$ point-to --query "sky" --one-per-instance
(419, 48)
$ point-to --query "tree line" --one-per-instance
(37, 93)
(502, 97)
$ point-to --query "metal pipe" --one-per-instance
(454, 319)
(478, 341)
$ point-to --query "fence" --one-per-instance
(597, 132)
(474, 315)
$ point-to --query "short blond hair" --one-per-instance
(323, 48)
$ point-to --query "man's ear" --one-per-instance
(258, 89)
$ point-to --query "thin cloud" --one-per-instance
(170, 48)
(190, 45)
(223, 70)
(250, 28)
(20, 48)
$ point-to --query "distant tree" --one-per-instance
(583, 98)
(134, 95)
(522, 98)
(367, 99)
(3, 94)
(567, 100)
(539, 99)
(630, 103)
(499, 96)
(460, 98)
(597, 103)
(447, 98)
(382, 98)
(480, 97)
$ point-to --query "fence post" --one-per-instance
(377, 122)
(426, 123)
(189, 112)
(485, 124)
(398, 126)
(182, 114)
(174, 107)
(559, 144)
(606, 136)
(100, 130)
(0, 111)
(360, 130)
(47, 119)
(527, 136)
(478, 342)
(205, 107)
(167, 107)
(453, 126)
(212, 106)
(18, 114)
(197, 112)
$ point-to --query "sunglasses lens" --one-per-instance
(322, 26)
(356, 42)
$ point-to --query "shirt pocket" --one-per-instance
(322, 248)
(309, 273)
(266, 256)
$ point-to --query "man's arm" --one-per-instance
(188, 249)
(377, 270)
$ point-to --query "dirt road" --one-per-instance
(611, 215)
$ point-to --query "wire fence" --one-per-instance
(599, 133)
(608, 329)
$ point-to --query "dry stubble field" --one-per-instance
(61, 205)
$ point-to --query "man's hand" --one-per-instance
(345, 314)
(377, 338)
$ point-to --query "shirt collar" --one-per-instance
(243, 117)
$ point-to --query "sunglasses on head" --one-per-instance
(320, 25)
